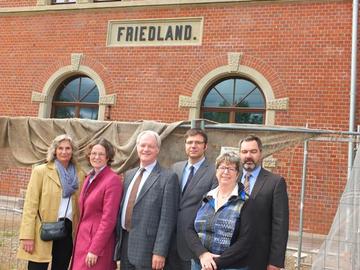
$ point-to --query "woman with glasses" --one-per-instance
(221, 234)
(99, 204)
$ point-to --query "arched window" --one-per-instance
(234, 100)
(77, 96)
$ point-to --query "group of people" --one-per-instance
(231, 215)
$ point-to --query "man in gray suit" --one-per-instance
(196, 177)
(269, 194)
(147, 217)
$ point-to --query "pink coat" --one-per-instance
(98, 205)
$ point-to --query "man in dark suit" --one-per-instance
(147, 217)
(271, 207)
(196, 177)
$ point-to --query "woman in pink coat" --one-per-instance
(98, 204)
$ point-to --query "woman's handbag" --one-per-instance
(50, 231)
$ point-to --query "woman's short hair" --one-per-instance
(51, 153)
(228, 157)
(151, 133)
(109, 150)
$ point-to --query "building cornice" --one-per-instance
(134, 4)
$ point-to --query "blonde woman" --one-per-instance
(52, 191)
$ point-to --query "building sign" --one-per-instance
(155, 32)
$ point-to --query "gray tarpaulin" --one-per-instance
(24, 140)
(341, 248)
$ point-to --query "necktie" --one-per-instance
(191, 174)
(132, 199)
(247, 183)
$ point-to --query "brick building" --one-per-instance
(280, 62)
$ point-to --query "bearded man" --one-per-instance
(271, 202)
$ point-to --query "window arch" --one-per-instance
(234, 100)
(77, 96)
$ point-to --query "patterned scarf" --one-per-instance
(68, 178)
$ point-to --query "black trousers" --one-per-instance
(61, 253)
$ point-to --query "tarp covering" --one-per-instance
(341, 248)
(24, 140)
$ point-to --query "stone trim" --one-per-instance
(233, 67)
(107, 99)
(76, 60)
(280, 104)
(45, 5)
(187, 102)
(84, 1)
(43, 2)
(38, 97)
(234, 60)
(269, 162)
(45, 98)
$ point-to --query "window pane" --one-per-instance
(213, 99)
(250, 118)
(69, 92)
(88, 91)
(247, 94)
(226, 88)
(64, 112)
(62, 1)
(221, 117)
(89, 113)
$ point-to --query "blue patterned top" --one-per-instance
(217, 230)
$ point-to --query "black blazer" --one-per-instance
(271, 221)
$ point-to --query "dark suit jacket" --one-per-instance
(202, 182)
(272, 221)
(153, 218)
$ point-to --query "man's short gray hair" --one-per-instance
(151, 133)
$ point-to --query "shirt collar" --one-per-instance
(254, 173)
(150, 167)
(213, 193)
(196, 165)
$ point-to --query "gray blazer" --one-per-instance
(203, 181)
(153, 219)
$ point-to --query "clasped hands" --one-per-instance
(90, 259)
(207, 261)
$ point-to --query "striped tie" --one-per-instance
(247, 183)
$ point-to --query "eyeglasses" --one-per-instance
(224, 168)
(194, 142)
(94, 154)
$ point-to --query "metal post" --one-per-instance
(302, 198)
(353, 78)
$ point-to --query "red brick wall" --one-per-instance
(302, 48)
(17, 3)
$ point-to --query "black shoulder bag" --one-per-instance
(50, 231)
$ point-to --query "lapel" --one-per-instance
(179, 170)
(260, 181)
(196, 178)
(86, 190)
(53, 174)
(128, 178)
(153, 177)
